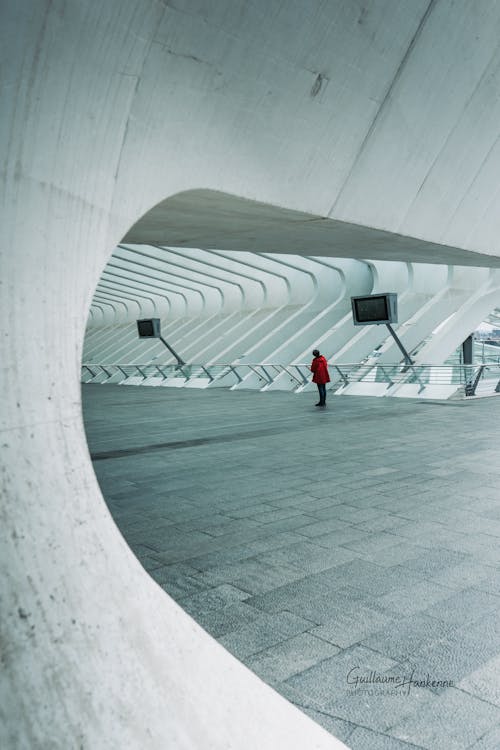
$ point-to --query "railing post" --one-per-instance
(259, 374)
(305, 380)
(207, 372)
(470, 388)
(109, 374)
(235, 371)
(415, 374)
(344, 377)
(269, 377)
(388, 378)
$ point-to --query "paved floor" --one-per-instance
(350, 557)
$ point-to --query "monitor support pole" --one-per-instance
(407, 357)
(180, 361)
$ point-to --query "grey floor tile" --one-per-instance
(376, 580)
(465, 575)
(460, 651)
(454, 720)
(408, 635)
(203, 522)
(293, 523)
(300, 593)
(323, 527)
(292, 500)
(249, 511)
(395, 554)
(352, 624)
(182, 587)
(396, 549)
(312, 558)
(373, 543)
(214, 598)
(330, 608)
(431, 535)
(314, 506)
(178, 583)
(223, 619)
(383, 522)
(465, 607)
(490, 740)
(230, 526)
(342, 730)
(348, 514)
(260, 577)
(340, 537)
(380, 708)
(328, 681)
(365, 739)
(279, 662)
(490, 583)
(432, 562)
(274, 541)
(422, 596)
(484, 683)
(275, 514)
(266, 631)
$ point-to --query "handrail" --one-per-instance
(342, 374)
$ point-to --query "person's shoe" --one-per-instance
(318, 404)
(321, 404)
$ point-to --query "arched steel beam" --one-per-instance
(212, 265)
(179, 265)
(115, 275)
(224, 254)
(168, 275)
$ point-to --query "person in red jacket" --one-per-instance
(319, 369)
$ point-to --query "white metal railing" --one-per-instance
(299, 374)
(469, 377)
(485, 377)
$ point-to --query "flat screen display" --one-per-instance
(148, 328)
(371, 309)
(374, 309)
(145, 328)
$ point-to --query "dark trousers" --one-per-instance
(322, 393)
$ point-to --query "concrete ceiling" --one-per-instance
(214, 220)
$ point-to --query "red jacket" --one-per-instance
(319, 369)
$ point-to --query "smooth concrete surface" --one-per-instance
(226, 222)
(318, 546)
(367, 114)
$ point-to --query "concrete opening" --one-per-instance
(302, 578)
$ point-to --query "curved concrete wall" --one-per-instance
(94, 654)
(107, 110)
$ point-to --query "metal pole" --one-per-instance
(180, 361)
(407, 357)
(467, 350)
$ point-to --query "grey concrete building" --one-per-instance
(239, 170)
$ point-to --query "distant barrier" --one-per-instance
(461, 380)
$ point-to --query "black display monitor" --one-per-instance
(374, 309)
(149, 328)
